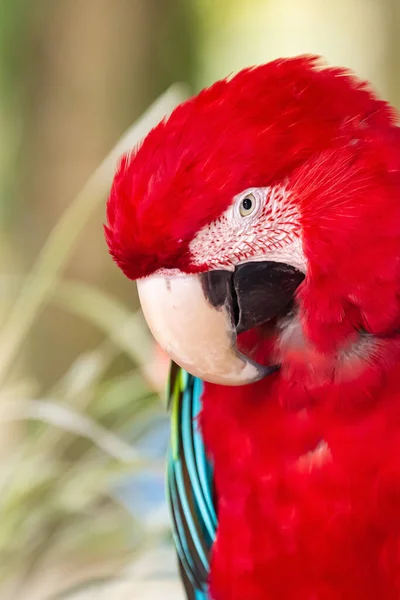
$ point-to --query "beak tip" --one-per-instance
(252, 372)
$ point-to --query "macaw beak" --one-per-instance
(196, 318)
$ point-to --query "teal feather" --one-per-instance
(204, 469)
(193, 451)
(190, 484)
(179, 532)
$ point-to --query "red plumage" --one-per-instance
(251, 130)
(307, 462)
(308, 482)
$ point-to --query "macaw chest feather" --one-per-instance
(308, 498)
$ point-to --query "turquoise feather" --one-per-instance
(190, 484)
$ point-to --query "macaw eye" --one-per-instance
(247, 205)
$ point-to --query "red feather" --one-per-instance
(308, 483)
(251, 130)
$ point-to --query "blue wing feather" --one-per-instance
(190, 484)
(203, 467)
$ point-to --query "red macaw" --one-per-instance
(262, 222)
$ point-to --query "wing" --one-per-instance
(190, 484)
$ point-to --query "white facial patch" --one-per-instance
(271, 231)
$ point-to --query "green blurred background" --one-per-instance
(83, 430)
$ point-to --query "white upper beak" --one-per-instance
(196, 335)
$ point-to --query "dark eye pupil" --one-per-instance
(247, 204)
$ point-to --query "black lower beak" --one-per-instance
(255, 292)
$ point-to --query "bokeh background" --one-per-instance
(83, 429)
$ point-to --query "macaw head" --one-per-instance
(269, 201)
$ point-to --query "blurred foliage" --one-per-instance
(78, 393)
(12, 79)
(58, 470)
